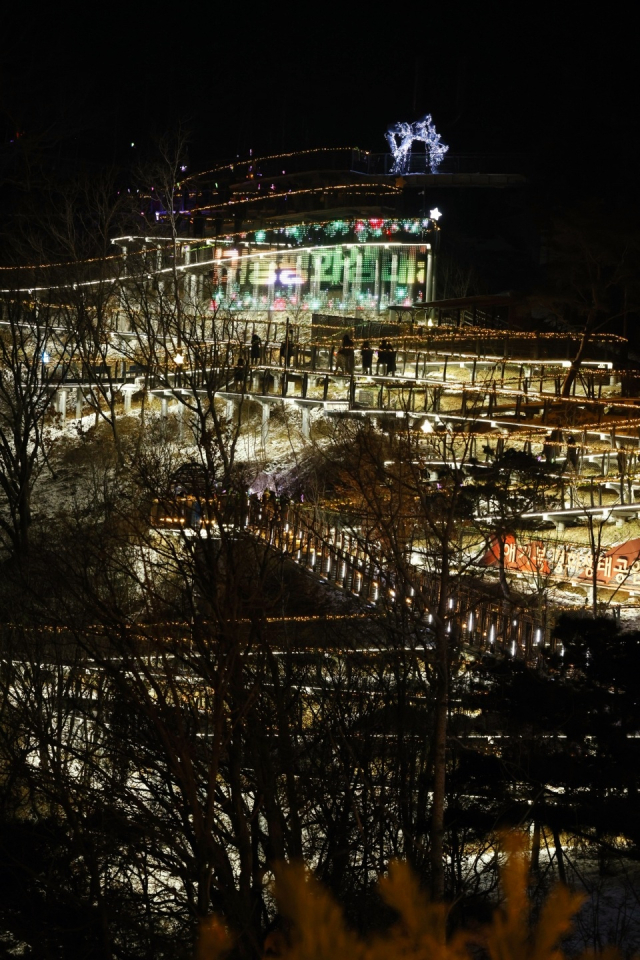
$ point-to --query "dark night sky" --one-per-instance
(560, 87)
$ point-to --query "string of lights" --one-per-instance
(80, 263)
(282, 226)
(360, 190)
(62, 263)
(274, 156)
(434, 334)
(185, 625)
(161, 247)
(362, 556)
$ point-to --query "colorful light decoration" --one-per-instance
(288, 276)
(401, 137)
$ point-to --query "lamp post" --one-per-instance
(179, 361)
(434, 216)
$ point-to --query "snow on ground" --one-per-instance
(629, 619)
(285, 453)
(610, 915)
(77, 447)
(277, 465)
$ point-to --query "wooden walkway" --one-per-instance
(343, 557)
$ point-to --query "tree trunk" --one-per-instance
(576, 363)
(595, 557)
(559, 855)
(535, 847)
(440, 738)
(24, 517)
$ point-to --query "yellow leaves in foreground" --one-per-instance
(510, 934)
(316, 929)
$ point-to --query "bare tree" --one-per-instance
(591, 276)
(406, 497)
(34, 350)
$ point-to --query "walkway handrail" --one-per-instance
(340, 555)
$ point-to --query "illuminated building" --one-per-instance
(331, 230)
(341, 265)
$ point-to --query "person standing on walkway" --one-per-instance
(256, 344)
(572, 454)
(349, 353)
(552, 446)
(286, 352)
(391, 360)
(239, 373)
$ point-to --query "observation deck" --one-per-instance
(323, 183)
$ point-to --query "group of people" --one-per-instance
(387, 357)
(345, 358)
(240, 369)
(287, 348)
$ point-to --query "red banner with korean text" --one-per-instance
(615, 566)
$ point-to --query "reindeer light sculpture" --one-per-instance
(401, 137)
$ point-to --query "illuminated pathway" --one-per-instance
(346, 559)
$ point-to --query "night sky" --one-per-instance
(560, 88)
